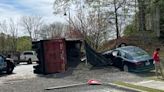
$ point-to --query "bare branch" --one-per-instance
(31, 25)
(120, 4)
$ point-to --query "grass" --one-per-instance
(138, 87)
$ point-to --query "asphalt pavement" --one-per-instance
(24, 80)
(21, 72)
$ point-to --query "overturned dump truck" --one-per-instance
(95, 58)
(56, 55)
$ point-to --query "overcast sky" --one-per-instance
(16, 8)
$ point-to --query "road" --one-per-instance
(24, 80)
(21, 72)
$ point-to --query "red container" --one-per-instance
(55, 55)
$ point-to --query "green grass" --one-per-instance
(138, 87)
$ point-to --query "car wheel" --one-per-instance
(18, 62)
(10, 70)
(125, 68)
(29, 61)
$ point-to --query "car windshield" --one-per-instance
(28, 53)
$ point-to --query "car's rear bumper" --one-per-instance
(143, 69)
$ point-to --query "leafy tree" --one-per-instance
(8, 41)
(24, 43)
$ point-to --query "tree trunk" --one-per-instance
(116, 22)
(141, 5)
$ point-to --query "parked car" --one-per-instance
(6, 64)
(130, 58)
(29, 57)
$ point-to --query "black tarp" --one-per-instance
(73, 53)
(95, 58)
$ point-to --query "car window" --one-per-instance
(136, 53)
(28, 53)
(123, 54)
(139, 54)
(126, 56)
(1, 60)
(116, 53)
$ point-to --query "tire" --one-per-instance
(125, 68)
(18, 62)
(10, 70)
(29, 61)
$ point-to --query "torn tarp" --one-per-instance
(94, 58)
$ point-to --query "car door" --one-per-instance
(3, 64)
(127, 60)
(117, 60)
(22, 57)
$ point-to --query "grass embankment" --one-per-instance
(138, 87)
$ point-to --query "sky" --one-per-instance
(16, 8)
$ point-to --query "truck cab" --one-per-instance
(28, 56)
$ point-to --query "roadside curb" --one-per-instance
(106, 84)
(65, 86)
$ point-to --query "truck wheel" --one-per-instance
(29, 61)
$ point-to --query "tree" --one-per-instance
(32, 25)
(54, 30)
(120, 13)
(9, 33)
(87, 23)
(24, 43)
(97, 19)
(3, 30)
(141, 7)
(13, 29)
(117, 4)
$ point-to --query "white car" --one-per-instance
(29, 57)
